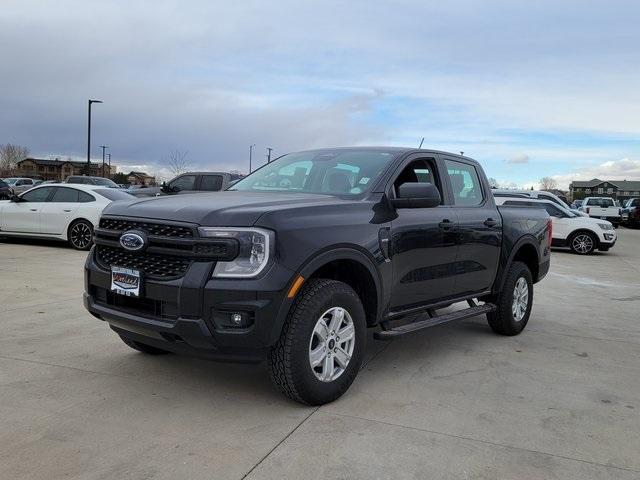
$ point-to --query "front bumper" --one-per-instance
(189, 315)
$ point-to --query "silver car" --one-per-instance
(20, 184)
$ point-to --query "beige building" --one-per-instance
(60, 169)
(141, 178)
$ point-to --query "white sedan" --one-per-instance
(58, 211)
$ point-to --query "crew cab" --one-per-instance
(602, 207)
(583, 235)
(296, 260)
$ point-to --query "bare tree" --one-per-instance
(493, 183)
(176, 162)
(10, 155)
(547, 183)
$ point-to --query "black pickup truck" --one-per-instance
(295, 261)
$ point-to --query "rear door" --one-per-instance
(60, 210)
(211, 183)
(24, 216)
(479, 227)
(422, 241)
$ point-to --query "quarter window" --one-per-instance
(467, 191)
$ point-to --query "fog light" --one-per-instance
(236, 318)
(224, 320)
(608, 236)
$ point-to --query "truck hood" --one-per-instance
(217, 209)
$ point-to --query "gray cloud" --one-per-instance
(214, 77)
(519, 159)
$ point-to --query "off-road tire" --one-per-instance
(502, 320)
(288, 360)
(141, 347)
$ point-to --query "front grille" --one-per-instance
(157, 229)
(162, 267)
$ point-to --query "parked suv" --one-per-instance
(583, 235)
(631, 212)
(295, 261)
(87, 180)
(20, 184)
(190, 182)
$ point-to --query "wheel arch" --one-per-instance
(580, 230)
(75, 220)
(526, 251)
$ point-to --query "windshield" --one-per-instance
(105, 182)
(331, 172)
(114, 195)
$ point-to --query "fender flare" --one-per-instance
(312, 264)
(525, 240)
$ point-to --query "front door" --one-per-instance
(423, 243)
(24, 216)
(479, 229)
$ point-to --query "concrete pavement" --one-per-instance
(562, 400)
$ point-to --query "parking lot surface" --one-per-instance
(562, 400)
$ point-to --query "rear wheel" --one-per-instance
(80, 235)
(322, 343)
(513, 304)
(144, 348)
(583, 243)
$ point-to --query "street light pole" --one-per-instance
(269, 154)
(91, 102)
(251, 155)
(109, 155)
(103, 147)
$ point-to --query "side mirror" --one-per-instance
(14, 198)
(417, 195)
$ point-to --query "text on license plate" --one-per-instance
(125, 281)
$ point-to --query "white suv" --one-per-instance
(583, 235)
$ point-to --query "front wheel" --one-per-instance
(583, 243)
(513, 304)
(80, 235)
(322, 343)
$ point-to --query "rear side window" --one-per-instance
(84, 197)
(211, 183)
(64, 194)
(467, 190)
(113, 194)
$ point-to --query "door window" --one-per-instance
(37, 195)
(64, 194)
(186, 182)
(211, 183)
(467, 190)
(418, 171)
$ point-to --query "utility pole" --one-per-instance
(103, 147)
(269, 154)
(251, 155)
(89, 135)
(109, 155)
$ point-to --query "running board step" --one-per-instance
(433, 321)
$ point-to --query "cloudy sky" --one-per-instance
(528, 88)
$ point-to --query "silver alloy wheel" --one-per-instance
(80, 235)
(331, 345)
(520, 299)
(582, 243)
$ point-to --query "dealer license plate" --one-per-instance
(125, 281)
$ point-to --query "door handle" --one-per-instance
(67, 210)
(33, 209)
(490, 222)
(445, 224)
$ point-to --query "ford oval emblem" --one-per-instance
(133, 241)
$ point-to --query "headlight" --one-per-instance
(256, 247)
(605, 226)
